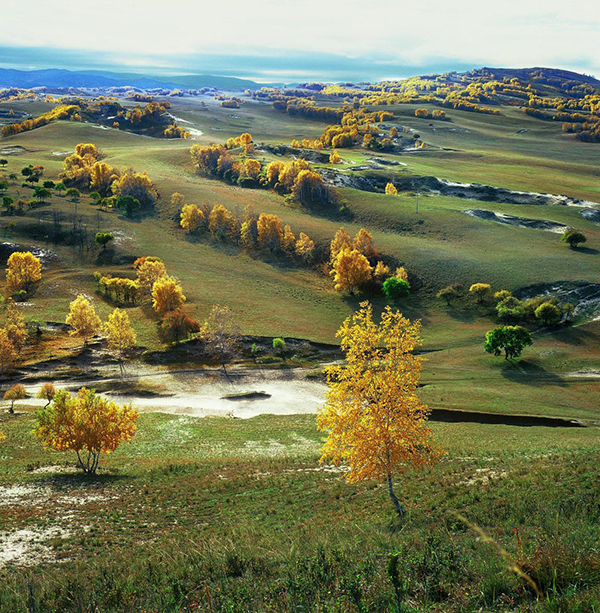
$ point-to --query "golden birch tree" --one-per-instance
(376, 423)
(83, 319)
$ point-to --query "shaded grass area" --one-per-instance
(236, 515)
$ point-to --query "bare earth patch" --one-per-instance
(28, 546)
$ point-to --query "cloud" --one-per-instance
(174, 34)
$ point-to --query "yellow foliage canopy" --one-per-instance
(374, 419)
(22, 271)
(119, 332)
(149, 271)
(192, 218)
(167, 295)
(270, 231)
(222, 222)
(86, 424)
(83, 319)
(351, 270)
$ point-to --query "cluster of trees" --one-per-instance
(153, 118)
(85, 323)
(231, 103)
(586, 132)
(152, 284)
(435, 114)
(294, 177)
(64, 111)
(127, 190)
(457, 100)
(243, 140)
(355, 267)
(358, 127)
(547, 310)
(264, 231)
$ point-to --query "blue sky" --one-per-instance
(293, 41)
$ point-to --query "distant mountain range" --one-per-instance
(55, 78)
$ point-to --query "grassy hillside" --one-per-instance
(202, 514)
(213, 514)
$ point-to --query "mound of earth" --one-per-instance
(470, 191)
(591, 214)
(583, 294)
(521, 222)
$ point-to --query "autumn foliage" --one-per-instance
(374, 420)
(86, 424)
(83, 319)
(167, 295)
(22, 271)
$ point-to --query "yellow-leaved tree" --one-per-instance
(340, 240)
(222, 223)
(390, 189)
(47, 392)
(85, 423)
(305, 247)
(8, 353)
(192, 218)
(22, 271)
(351, 270)
(375, 422)
(270, 231)
(83, 319)
(14, 393)
(149, 270)
(167, 295)
(120, 335)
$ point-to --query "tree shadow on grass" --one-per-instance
(79, 481)
(587, 250)
(464, 315)
(530, 373)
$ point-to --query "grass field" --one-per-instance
(213, 514)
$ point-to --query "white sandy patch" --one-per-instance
(27, 546)
(286, 397)
(33, 495)
(483, 476)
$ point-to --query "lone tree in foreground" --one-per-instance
(573, 237)
(374, 419)
(510, 339)
(87, 424)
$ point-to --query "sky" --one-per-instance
(296, 40)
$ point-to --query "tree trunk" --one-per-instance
(399, 508)
(12, 408)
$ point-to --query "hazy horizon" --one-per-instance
(348, 41)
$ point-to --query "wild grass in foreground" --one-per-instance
(236, 515)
